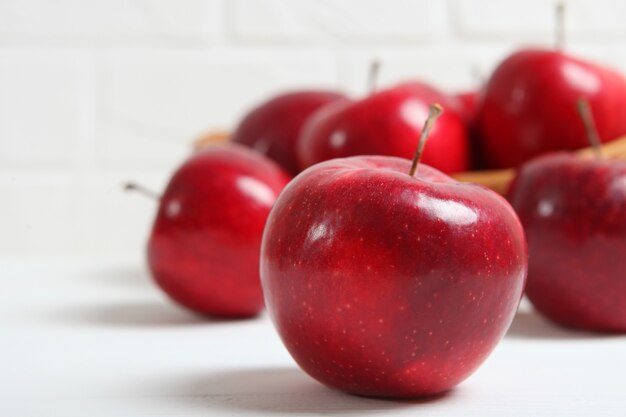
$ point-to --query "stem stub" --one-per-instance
(434, 111)
(560, 26)
(132, 186)
(590, 126)
(372, 77)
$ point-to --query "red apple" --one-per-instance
(573, 211)
(466, 105)
(529, 106)
(381, 283)
(205, 242)
(272, 127)
(386, 123)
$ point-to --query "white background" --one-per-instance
(96, 338)
(93, 93)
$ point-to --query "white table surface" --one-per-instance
(93, 337)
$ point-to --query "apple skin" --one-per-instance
(389, 123)
(382, 284)
(205, 243)
(272, 128)
(574, 214)
(529, 106)
(466, 105)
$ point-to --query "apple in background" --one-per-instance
(272, 128)
(205, 243)
(381, 283)
(387, 122)
(529, 107)
(466, 105)
(574, 214)
(466, 102)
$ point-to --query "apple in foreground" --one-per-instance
(272, 128)
(381, 283)
(205, 242)
(574, 214)
(529, 106)
(387, 122)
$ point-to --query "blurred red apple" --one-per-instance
(205, 242)
(529, 106)
(573, 211)
(387, 122)
(272, 128)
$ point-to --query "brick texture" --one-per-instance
(93, 93)
(112, 21)
(152, 104)
(43, 107)
(535, 19)
(344, 20)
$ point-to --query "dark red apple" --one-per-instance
(205, 243)
(574, 214)
(529, 108)
(382, 283)
(387, 122)
(466, 105)
(272, 127)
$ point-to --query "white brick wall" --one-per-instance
(344, 20)
(158, 100)
(111, 22)
(41, 98)
(96, 92)
(534, 19)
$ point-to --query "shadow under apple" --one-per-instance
(131, 277)
(528, 324)
(275, 390)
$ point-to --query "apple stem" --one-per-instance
(590, 127)
(372, 77)
(131, 186)
(434, 111)
(560, 26)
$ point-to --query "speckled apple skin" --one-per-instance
(389, 123)
(381, 284)
(574, 214)
(528, 107)
(206, 239)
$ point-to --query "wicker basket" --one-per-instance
(497, 180)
